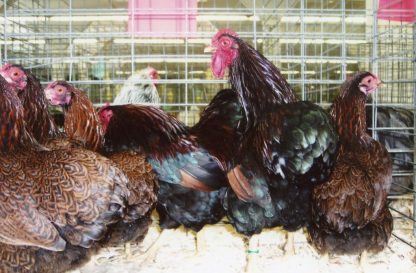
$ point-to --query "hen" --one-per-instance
(82, 124)
(285, 147)
(177, 205)
(139, 88)
(38, 121)
(55, 205)
(350, 213)
(123, 230)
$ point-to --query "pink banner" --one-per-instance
(161, 18)
(397, 10)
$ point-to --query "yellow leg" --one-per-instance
(201, 242)
(290, 245)
(363, 260)
(127, 250)
(150, 253)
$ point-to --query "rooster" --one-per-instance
(350, 213)
(285, 148)
(140, 88)
(82, 124)
(56, 205)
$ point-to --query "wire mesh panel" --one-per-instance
(315, 43)
(393, 107)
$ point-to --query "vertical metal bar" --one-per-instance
(414, 124)
(302, 48)
(71, 46)
(374, 65)
(187, 59)
(5, 31)
(343, 45)
(132, 41)
(254, 25)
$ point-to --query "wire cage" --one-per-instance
(315, 43)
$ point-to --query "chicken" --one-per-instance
(177, 205)
(179, 161)
(396, 117)
(139, 88)
(39, 123)
(82, 124)
(350, 213)
(285, 147)
(56, 205)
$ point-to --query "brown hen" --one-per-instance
(82, 124)
(350, 213)
(55, 205)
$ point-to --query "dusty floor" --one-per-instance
(220, 249)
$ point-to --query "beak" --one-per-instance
(209, 49)
(380, 82)
(48, 94)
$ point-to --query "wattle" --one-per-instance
(218, 66)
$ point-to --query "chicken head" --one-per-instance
(224, 50)
(58, 93)
(14, 75)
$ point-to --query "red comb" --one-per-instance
(224, 31)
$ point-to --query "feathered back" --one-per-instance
(348, 109)
(258, 81)
(138, 89)
(38, 120)
(81, 120)
(217, 128)
(146, 128)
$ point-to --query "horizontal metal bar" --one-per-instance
(391, 128)
(404, 187)
(201, 10)
(400, 196)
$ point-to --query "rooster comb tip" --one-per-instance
(225, 31)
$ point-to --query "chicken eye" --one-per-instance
(15, 74)
(225, 43)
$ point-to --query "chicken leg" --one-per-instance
(290, 245)
(252, 253)
(200, 242)
(363, 260)
(150, 253)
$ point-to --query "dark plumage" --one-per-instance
(55, 204)
(396, 117)
(176, 157)
(82, 124)
(350, 213)
(285, 147)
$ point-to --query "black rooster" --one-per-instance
(285, 147)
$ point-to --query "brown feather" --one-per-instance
(51, 196)
(240, 184)
(38, 120)
(81, 120)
